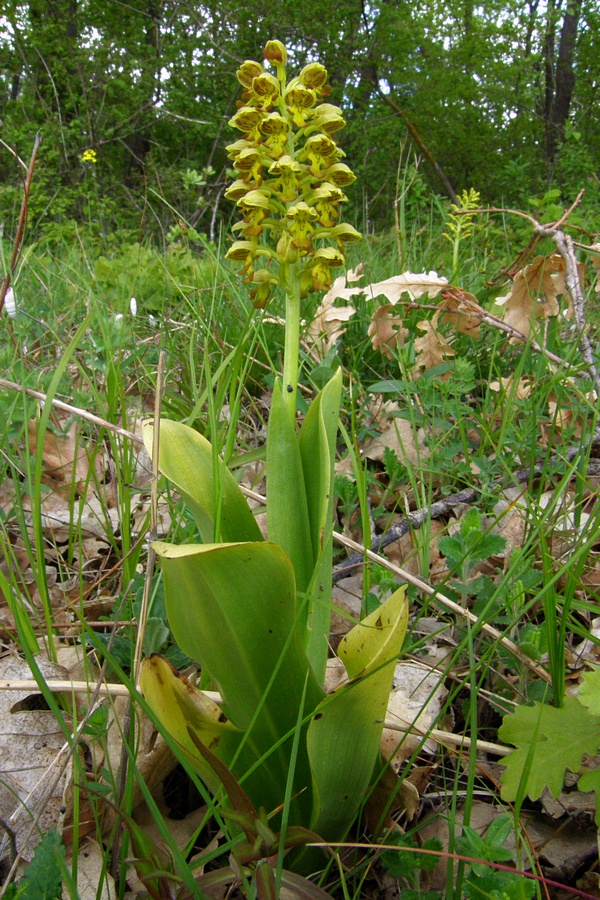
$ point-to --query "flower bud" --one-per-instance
(275, 52)
(314, 76)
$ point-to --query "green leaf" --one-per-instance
(558, 737)
(590, 781)
(344, 735)
(589, 692)
(317, 444)
(287, 509)
(233, 608)
(186, 459)
(43, 875)
(180, 706)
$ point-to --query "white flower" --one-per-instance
(10, 304)
(119, 319)
(133, 306)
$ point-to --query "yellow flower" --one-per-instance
(275, 52)
(89, 156)
(314, 76)
(276, 130)
(325, 260)
(300, 100)
(287, 184)
(247, 71)
(302, 228)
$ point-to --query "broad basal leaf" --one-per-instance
(317, 444)
(186, 459)
(233, 608)
(287, 511)
(343, 738)
(558, 739)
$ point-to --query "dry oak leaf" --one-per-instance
(431, 348)
(462, 311)
(397, 434)
(327, 326)
(534, 294)
(506, 386)
(386, 331)
(415, 285)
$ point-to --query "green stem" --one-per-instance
(292, 340)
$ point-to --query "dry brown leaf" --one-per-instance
(327, 326)
(535, 293)
(386, 331)
(415, 285)
(462, 311)
(431, 348)
(417, 699)
(30, 741)
(398, 435)
(522, 390)
(91, 872)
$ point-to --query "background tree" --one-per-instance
(503, 96)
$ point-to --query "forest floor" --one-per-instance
(468, 468)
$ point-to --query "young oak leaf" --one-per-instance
(548, 741)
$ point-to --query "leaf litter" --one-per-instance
(74, 467)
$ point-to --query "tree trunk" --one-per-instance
(560, 79)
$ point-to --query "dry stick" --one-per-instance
(445, 601)
(74, 410)
(20, 235)
(414, 520)
(121, 690)
(137, 659)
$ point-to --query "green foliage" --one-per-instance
(406, 865)
(470, 546)
(42, 879)
(484, 881)
(154, 279)
(549, 741)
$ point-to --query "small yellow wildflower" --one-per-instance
(89, 156)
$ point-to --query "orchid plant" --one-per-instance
(256, 613)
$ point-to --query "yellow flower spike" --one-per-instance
(275, 52)
(286, 186)
(263, 281)
(287, 250)
(320, 151)
(341, 234)
(325, 199)
(248, 71)
(300, 100)
(244, 252)
(325, 260)
(314, 76)
(302, 228)
(249, 164)
(340, 175)
(234, 150)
